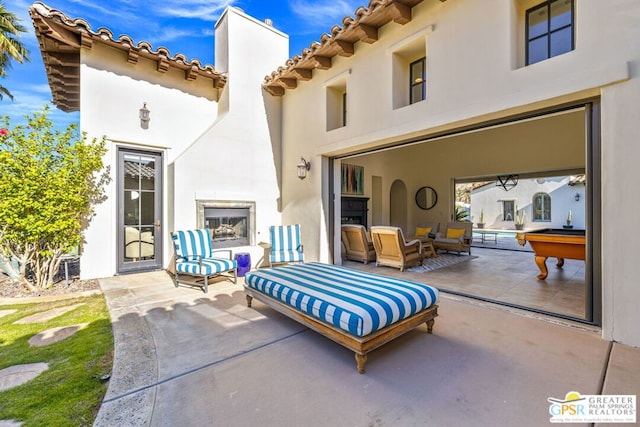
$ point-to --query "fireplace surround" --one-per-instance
(232, 223)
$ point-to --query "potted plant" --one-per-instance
(568, 225)
(520, 217)
(461, 214)
(480, 223)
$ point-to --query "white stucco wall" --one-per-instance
(246, 148)
(112, 93)
(620, 154)
(562, 197)
(474, 73)
(238, 157)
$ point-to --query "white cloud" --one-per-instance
(27, 102)
(172, 33)
(154, 22)
(41, 88)
(201, 9)
(121, 10)
(24, 102)
(323, 13)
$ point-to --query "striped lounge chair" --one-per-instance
(286, 246)
(195, 257)
(356, 309)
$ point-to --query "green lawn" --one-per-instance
(69, 393)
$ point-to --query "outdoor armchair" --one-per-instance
(392, 250)
(286, 246)
(358, 246)
(194, 256)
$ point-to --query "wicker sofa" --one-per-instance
(425, 231)
(456, 237)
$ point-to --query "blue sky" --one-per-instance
(182, 26)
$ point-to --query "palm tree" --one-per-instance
(10, 46)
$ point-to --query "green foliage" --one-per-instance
(520, 216)
(50, 181)
(461, 214)
(70, 392)
(10, 45)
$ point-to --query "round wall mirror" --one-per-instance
(426, 198)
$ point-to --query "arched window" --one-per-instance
(541, 207)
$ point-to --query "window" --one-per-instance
(337, 103)
(508, 210)
(541, 207)
(549, 28)
(409, 69)
(418, 81)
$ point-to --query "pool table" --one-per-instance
(554, 242)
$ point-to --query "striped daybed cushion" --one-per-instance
(357, 302)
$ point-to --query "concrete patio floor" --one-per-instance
(187, 358)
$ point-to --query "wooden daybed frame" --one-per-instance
(359, 345)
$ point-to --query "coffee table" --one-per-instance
(427, 246)
(493, 235)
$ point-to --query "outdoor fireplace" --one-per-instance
(231, 223)
(228, 226)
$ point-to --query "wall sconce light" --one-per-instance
(577, 197)
(303, 167)
(144, 117)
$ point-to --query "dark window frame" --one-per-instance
(344, 109)
(547, 4)
(422, 83)
(546, 207)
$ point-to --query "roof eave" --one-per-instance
(319, 55)
(61, 40)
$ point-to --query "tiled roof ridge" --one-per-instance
(325, 39)
(363, 26)
(123, 40)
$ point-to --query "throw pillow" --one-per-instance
(422, 231)
(454, 233)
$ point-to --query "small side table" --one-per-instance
(244, 263)
(427, 246)
(428, 249)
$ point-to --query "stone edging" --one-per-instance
(47, 298)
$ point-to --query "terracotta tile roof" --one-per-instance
(578, 179)
(135, 170)
(363, 27)
(61, 38)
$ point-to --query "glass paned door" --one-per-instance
(139, 210)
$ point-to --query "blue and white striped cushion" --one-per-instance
(286, 256)
(209, 266)
(285, 244)
(357, 302)
(189, 243)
